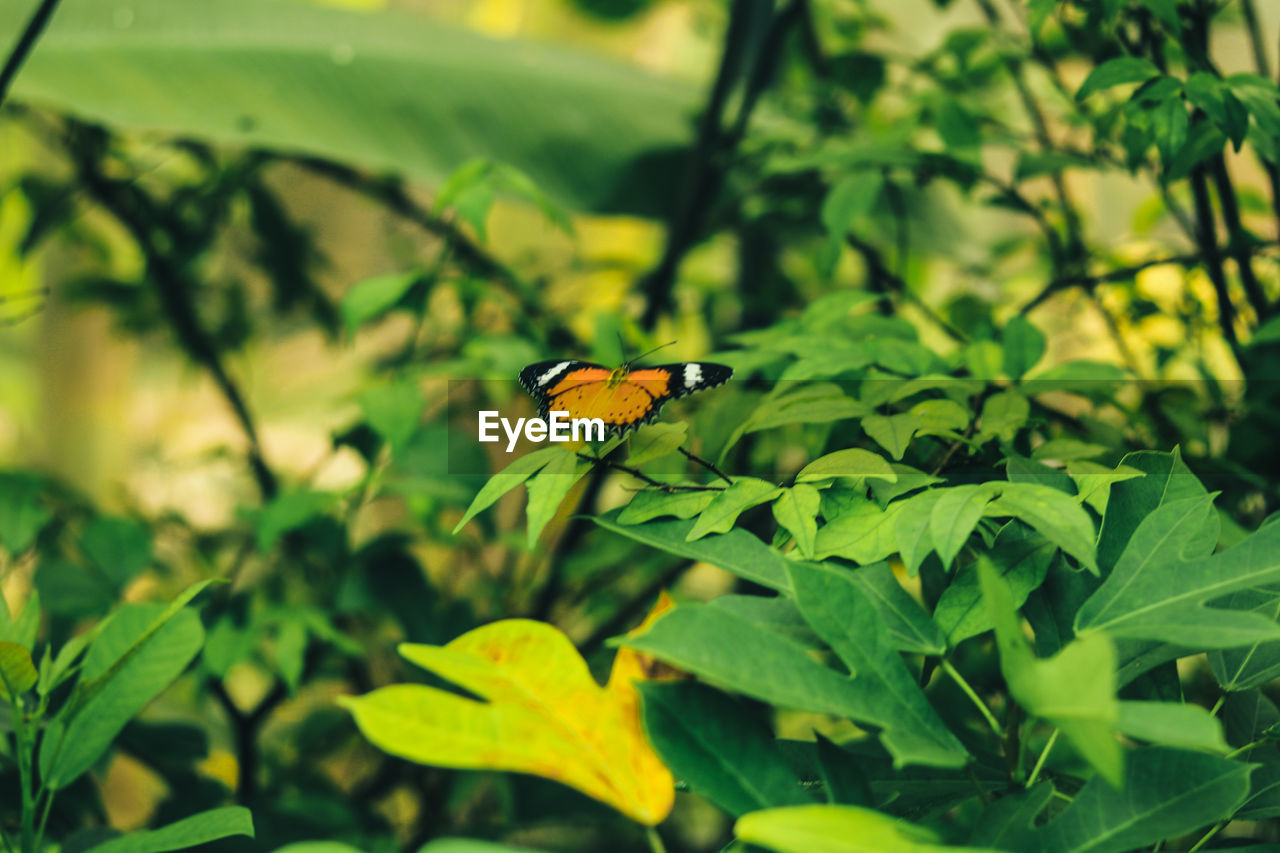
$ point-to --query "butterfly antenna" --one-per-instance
(650, 352)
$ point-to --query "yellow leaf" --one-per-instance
(543, 714)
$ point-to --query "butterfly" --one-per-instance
(622, 397)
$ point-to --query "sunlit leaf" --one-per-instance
(838, 829)
(539, 712)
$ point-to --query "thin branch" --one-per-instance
(706, 167)
(633, 607)
(1208, 239)
(640, 475)
(1089, 281)
(885, 279)
(693, 457)
(1237, 238)
(35, 26)
(137, 212)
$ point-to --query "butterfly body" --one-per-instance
(622, 397)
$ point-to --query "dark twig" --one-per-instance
(138, 213)
(625, 614)
(35, 26)
(1263, 65)
(245, 726)
(886, 279)
(1089, 281)
(1237, 238)
(640, 475)
(706, 168)
(1212, 257)
(693, 457)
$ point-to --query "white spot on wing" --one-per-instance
(553, 373)
(692, 374)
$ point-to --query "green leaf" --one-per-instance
(865, 533)
(183, 834)
(1094, 379)
(416, 95)
(737, 551)
(1172, 724)
(654, 503)
(287, 512)
(843, 615)
(1211, 94)
(1167, 573)
(24, 629)
(1074, 690)
(17, 672)
(842, 779)
(1094, 481)
(463, 845)
(1204, 140)
(1003, 414)
(838, 829)
(911, 529)
(910, 628)
(853, 463)
(1250, 666)
(1067, 450)
(796, 511)
(290, 651)
(394, 411)
(892, 432)
(339, 847)
(373, 297)
(723, 647)
(1166, 12)
(138, 654)
(1116, 72)
(22, 514)
(719, 747)
(1169, 793)
(549, 487)
(723, 510)
(954, 517)
(1167, 478)
(1008, 822)
(1022, 558)
(119, 547)
(851, 197)
(506, 480)
(1056, 515)
(1169, 125)
(1023, 346)
(654, 441)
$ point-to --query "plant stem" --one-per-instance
(973, 696)
(1213, 830)
(35, 25)
(655, 840)
(44, 820)
(1217, 706)
(1044, 755)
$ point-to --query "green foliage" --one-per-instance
(961, 556)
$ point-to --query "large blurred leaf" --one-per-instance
(387, 90)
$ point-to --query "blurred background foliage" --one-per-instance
(260, 261)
